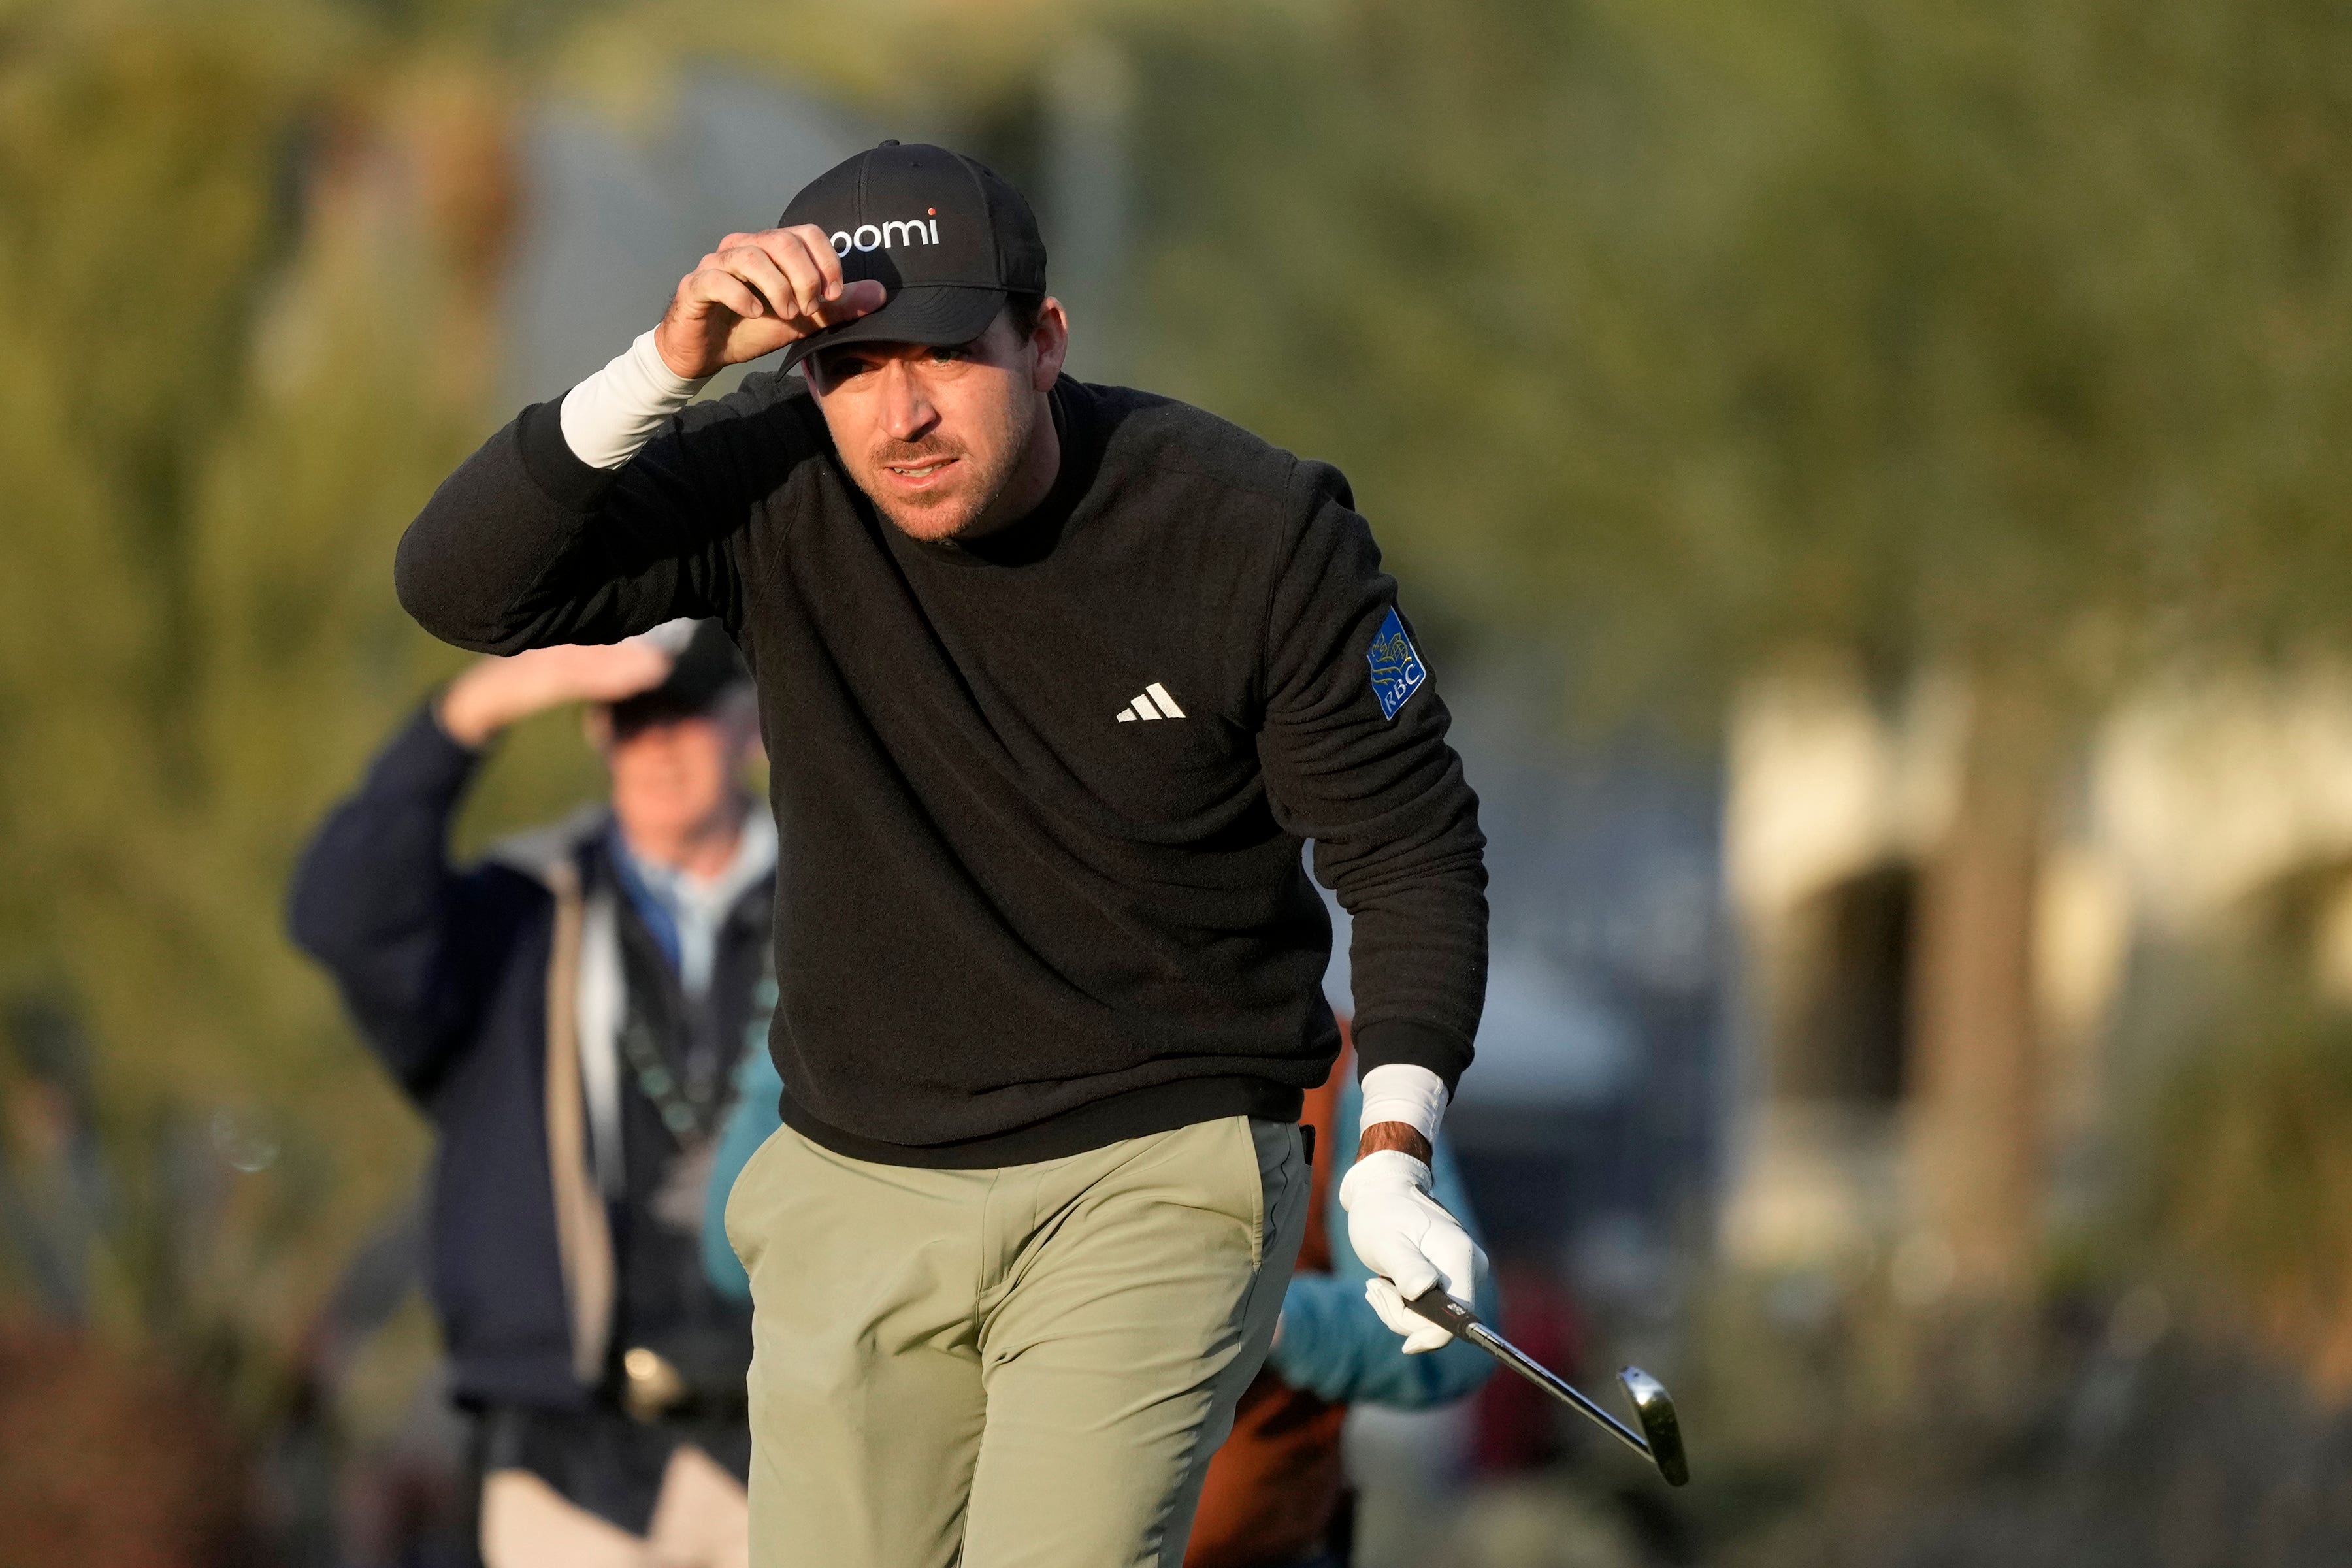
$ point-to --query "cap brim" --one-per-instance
(938, 315)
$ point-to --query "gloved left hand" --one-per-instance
(1408, 1241)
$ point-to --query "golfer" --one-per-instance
(1070, 672)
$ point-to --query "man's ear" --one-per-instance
(1052, 342)
(596, 724)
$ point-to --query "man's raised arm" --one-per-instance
(587, 519)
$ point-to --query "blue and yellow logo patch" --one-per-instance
(1397, 671)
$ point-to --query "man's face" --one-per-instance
(935, 436)
(673, 778)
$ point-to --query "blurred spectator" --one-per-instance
(52, 1189)
(570, 1013)
(1275, 1495)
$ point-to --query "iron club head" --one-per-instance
(1660, 1440)
(1655, 1409)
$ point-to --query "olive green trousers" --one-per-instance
(1028, 1366)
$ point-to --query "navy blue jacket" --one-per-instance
(445, 971)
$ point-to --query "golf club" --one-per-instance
(1660, 1440)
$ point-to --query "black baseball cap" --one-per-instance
(948, 237)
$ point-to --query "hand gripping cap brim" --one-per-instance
(939, 315)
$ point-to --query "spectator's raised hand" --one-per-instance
(497, 692)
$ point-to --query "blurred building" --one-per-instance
(2205, 815)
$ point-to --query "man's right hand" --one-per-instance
(1406, 1239)
(497, 692)
(753, 295)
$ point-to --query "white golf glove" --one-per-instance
(1408, 1242)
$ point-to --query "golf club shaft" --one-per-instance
(1542, 1376)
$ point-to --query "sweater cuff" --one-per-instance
(551, 463)
(1408, 1040)
(1405, 1092)
(424, 757)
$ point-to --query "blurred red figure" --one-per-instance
(1517, 1424)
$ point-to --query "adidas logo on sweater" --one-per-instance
(1154, 703)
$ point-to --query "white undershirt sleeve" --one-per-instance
(607, 418)
(1400, 1091)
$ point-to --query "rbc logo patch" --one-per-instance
(1397, 671)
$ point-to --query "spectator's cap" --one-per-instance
(945, 233)
(705, 672)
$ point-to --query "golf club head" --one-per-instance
(1655, 1409)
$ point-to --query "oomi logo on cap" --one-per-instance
(881, 237)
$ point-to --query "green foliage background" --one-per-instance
(2007, 332)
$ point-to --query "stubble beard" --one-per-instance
(947, 515)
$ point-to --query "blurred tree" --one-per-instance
(244, 265)
(2251, 1174)
(144, 174)
(1997, 343)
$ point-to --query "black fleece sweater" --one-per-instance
(1011, 925)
